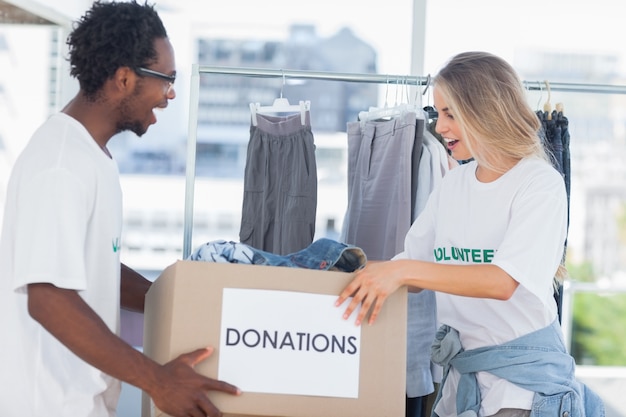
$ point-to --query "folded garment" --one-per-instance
(323, 254)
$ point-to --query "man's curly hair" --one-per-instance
(112, 35)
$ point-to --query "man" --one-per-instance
(61, 280)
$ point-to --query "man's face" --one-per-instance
(153, 91)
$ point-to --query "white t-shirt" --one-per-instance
(519, 223)
(62, 225)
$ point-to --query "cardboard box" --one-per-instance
(184, 309)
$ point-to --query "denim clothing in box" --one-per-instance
(537, 362)
(323, 254)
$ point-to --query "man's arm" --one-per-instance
(133, 289)
(175, 387)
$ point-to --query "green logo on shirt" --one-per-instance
(477, 256)
(116, 244)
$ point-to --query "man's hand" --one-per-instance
(175, 387)
(183, 392)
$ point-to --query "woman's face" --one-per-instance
(449, 129)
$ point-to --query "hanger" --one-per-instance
(281, 105)
(540, 88)
(559, 108)
(429, 110)
(398, 109)
(426, 86)
(547, 107)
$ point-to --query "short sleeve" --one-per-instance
(535, 238)
(52, 221)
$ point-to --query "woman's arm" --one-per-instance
(373, 284)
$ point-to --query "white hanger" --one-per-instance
(382, 113)
(281, 105)
(389, 112)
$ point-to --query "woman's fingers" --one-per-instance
(364, 292)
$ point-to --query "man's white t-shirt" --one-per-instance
(517, 222)
(62, 225)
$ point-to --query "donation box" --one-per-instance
(278, 337)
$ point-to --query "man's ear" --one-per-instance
(125, 80)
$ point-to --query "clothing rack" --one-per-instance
(574, 87)
(409, 80)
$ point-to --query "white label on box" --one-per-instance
(283, 342)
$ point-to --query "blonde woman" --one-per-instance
(490, 242)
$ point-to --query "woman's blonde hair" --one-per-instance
(486, 97)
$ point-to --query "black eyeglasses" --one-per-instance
(156, 74)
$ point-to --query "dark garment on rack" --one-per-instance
(280, 185)
(566, 162)
(556, 139)
(416, 155)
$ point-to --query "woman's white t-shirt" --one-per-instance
(62, 225)
(517, 222)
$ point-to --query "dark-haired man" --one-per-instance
(60, 270)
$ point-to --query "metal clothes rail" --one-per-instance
(575, 88)
(316, 75)
(396, 79)
(391, 79)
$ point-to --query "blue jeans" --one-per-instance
(323, 254)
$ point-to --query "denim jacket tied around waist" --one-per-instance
(537, 362)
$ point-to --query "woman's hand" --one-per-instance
(370, 287)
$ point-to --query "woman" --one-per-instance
(490, 242)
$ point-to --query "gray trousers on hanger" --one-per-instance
(383, 161)
(379, 185)
(280, 185)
